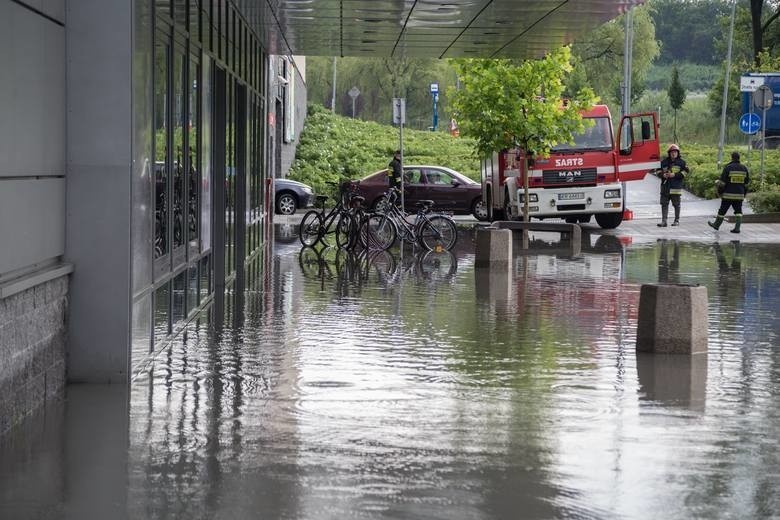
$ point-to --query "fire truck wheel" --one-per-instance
(609, 220)
(479, 209)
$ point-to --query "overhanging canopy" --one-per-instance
(426, 28)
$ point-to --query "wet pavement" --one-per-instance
(404, 385)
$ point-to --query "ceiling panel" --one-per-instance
(426, 28)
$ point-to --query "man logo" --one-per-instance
(570, 175)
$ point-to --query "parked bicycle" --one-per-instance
(433, 231)
(317, 224)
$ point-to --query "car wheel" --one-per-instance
(479, 209)
(286, 203)
(379, 203)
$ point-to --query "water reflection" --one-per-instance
(392, 386)
(676, 380)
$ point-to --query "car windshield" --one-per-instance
(597, 137)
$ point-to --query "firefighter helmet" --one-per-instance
(673, 147)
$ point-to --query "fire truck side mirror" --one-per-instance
(646, 131)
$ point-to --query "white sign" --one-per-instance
(434, 88)
(750, 83)
(399, 111)
(353, 92)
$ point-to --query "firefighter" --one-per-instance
(732, 187)
(672, 175)
(395, 170)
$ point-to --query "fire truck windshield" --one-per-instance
(597, 137)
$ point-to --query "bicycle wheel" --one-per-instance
(438, 232)
(377, 232)
(310, 229)
(344, 233)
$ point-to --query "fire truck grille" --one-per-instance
(569, 177)
(571, 207)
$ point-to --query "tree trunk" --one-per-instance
(755, 17)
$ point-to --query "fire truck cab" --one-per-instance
(578, 180)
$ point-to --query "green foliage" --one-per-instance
(503, 104)
(598, 57)
(702, 161)
(676, 91)
(379, 81)
(767, 201)
(682, 33)
(697, 78)
(334, 148)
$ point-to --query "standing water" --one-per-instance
(404, 386)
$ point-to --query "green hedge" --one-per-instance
(702, 161)
(334, 148)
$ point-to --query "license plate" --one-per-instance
(570, 196)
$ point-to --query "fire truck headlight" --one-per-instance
(611, 194)
(532, 197)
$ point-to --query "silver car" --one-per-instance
(292, 195)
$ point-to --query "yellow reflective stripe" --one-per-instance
(733, 196)
(675, 192)
(737, 178)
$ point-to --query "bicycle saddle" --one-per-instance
(424, 203)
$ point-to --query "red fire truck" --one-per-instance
(577, 181)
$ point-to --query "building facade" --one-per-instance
(138, 144)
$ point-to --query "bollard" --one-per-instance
(493, 248)
(672, 319)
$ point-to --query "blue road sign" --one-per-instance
(749, 123)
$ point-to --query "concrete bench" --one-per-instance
(573, 231)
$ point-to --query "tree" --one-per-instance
(676, 94)
(505, 104)
(598, 57)
(760, 27)
(681, 33)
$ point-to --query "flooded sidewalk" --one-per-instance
(403, 385)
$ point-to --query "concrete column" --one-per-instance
(493, 248)
(672, 319)
(99, 44)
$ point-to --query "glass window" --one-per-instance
(161, 235)
(193, 176)
(180, 13)
(205, 159)
(439, 177)
(179, 113)
(194, 21)
(413, 176)
(178, 311)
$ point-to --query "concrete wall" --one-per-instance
(33, 280)
(299, 113)
(32, 135)
(32, 349)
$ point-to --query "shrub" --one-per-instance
(335, 148)
(766, 201)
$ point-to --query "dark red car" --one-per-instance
(450, 190)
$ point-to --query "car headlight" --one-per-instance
(532, 197)
(611, 194)
(308, 190)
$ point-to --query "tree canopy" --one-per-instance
(503, 104)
